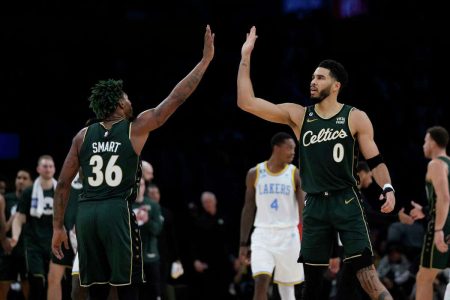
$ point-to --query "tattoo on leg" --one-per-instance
(368, 278)
(384, 296)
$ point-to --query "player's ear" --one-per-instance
(121, 103)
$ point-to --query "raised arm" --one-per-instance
(363, 130)
(287, 113)
(248, 214)
(69, 170)
(155, 117)
(437, 173)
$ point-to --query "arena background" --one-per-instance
(396, 53)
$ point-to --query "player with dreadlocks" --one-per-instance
(108, 151)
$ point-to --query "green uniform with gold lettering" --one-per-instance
(431, 257)
(109, 245)
(37, 233)
(328, 154)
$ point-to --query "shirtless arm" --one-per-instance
(69, 170)
(362, 129)
(153, 118)
(248, 213)
(437, 173)
(287, 113)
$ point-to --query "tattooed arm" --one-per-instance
(69, 170)
(155, 117)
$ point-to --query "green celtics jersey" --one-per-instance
(37, 231)
(431, 194)
(327, 152)
(109, 163)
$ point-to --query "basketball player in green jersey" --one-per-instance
(435, 255)
(108, 152)
(328, 133)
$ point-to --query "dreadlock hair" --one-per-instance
(105, 96)
(337, 71)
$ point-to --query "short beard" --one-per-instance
(130, 116)
(322, 95)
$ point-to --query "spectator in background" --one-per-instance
(211, 252)
(147, 172)
(394, 272)
(13, 265)
(167, 240)
(149, 220)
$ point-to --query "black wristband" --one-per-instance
(388, 188)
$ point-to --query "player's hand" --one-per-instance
(208, 46)
(334, 265)
(59, 237)
(416, 213)
(244, 257)
(6, 245)
(249, 44)
(389, 202)
(441, 245)
(404, 217)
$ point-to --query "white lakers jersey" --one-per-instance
(276, 204)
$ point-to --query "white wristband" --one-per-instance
(388, 185)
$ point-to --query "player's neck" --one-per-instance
(46, 184)
(275, 166)
(439, 153)
(115, 117)
(328, 107)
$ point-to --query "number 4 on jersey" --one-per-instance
(274, 204)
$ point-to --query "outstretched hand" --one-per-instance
(59, 238)
(389, 202)
(208, 46)
(249, 44)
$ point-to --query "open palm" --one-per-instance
(249, 44)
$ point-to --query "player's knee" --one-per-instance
(262, 280)
(425, 276)
(55, 275)
(362, 261)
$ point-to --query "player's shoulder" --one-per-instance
(27, 192)
(253, 170)
(437, 162)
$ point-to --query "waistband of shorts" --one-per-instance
(333, 192)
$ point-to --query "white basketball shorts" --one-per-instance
(276, 250)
